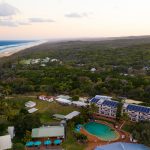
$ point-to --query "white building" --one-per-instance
(46, 98)
(32, 110)
(63, 101)
(11, 131)
(137, 112)
(72, 115)
(108, 107)
(93, 70)
(54, 60)
(79, 103)
(5, 142)
(30, 104)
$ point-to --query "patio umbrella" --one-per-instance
(56, 142)
(47, 142)
(30, 143)
(37, 143)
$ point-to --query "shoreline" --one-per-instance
(10, 51)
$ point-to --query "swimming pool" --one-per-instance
(102, 131)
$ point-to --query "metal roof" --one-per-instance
(5, 142)
(138, 108)
(110, 103)
(94, 100)
(72, 115)
(32, 110)
(59, 116)
(122, 146)
(50, 131)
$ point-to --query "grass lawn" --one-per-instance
(45, 109)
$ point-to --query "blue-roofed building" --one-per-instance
(122, 146)
(98, 99)
(108, 108)
(136, 112)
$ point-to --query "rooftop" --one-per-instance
(5, 142)
(138, 108)
(32, 110)
(30, 104)
(122, 146)
(100, 99)
(110, 103)
(72, 114)
(59, 116)
(49, 131)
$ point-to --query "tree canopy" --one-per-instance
(141, 132)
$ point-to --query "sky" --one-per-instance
(56, 19)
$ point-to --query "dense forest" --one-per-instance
(122, 68)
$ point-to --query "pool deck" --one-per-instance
(94, 141)
(45, 148)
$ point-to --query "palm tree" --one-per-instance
(7, 90)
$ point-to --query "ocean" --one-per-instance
(8, 48)
(12, 44)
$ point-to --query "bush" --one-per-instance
(75, 98)
(80, 137)
(3, 127)
(18, 146)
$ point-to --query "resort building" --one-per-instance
(44, 133)
(136, 112)
(108, 108)
(100, 99)
(122, 146)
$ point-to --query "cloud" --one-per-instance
(77, 15)
(12, 23)
(24, 23)
(8, 13)
(15, 23)
(7, 10)
(38, 20)
(8, 23)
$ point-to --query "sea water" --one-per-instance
(12, 44)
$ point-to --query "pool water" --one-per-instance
(78, 127)
(102, 131)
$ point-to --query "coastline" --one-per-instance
(10, 51)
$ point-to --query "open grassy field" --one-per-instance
(45, 109)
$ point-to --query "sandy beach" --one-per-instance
(9, 51)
